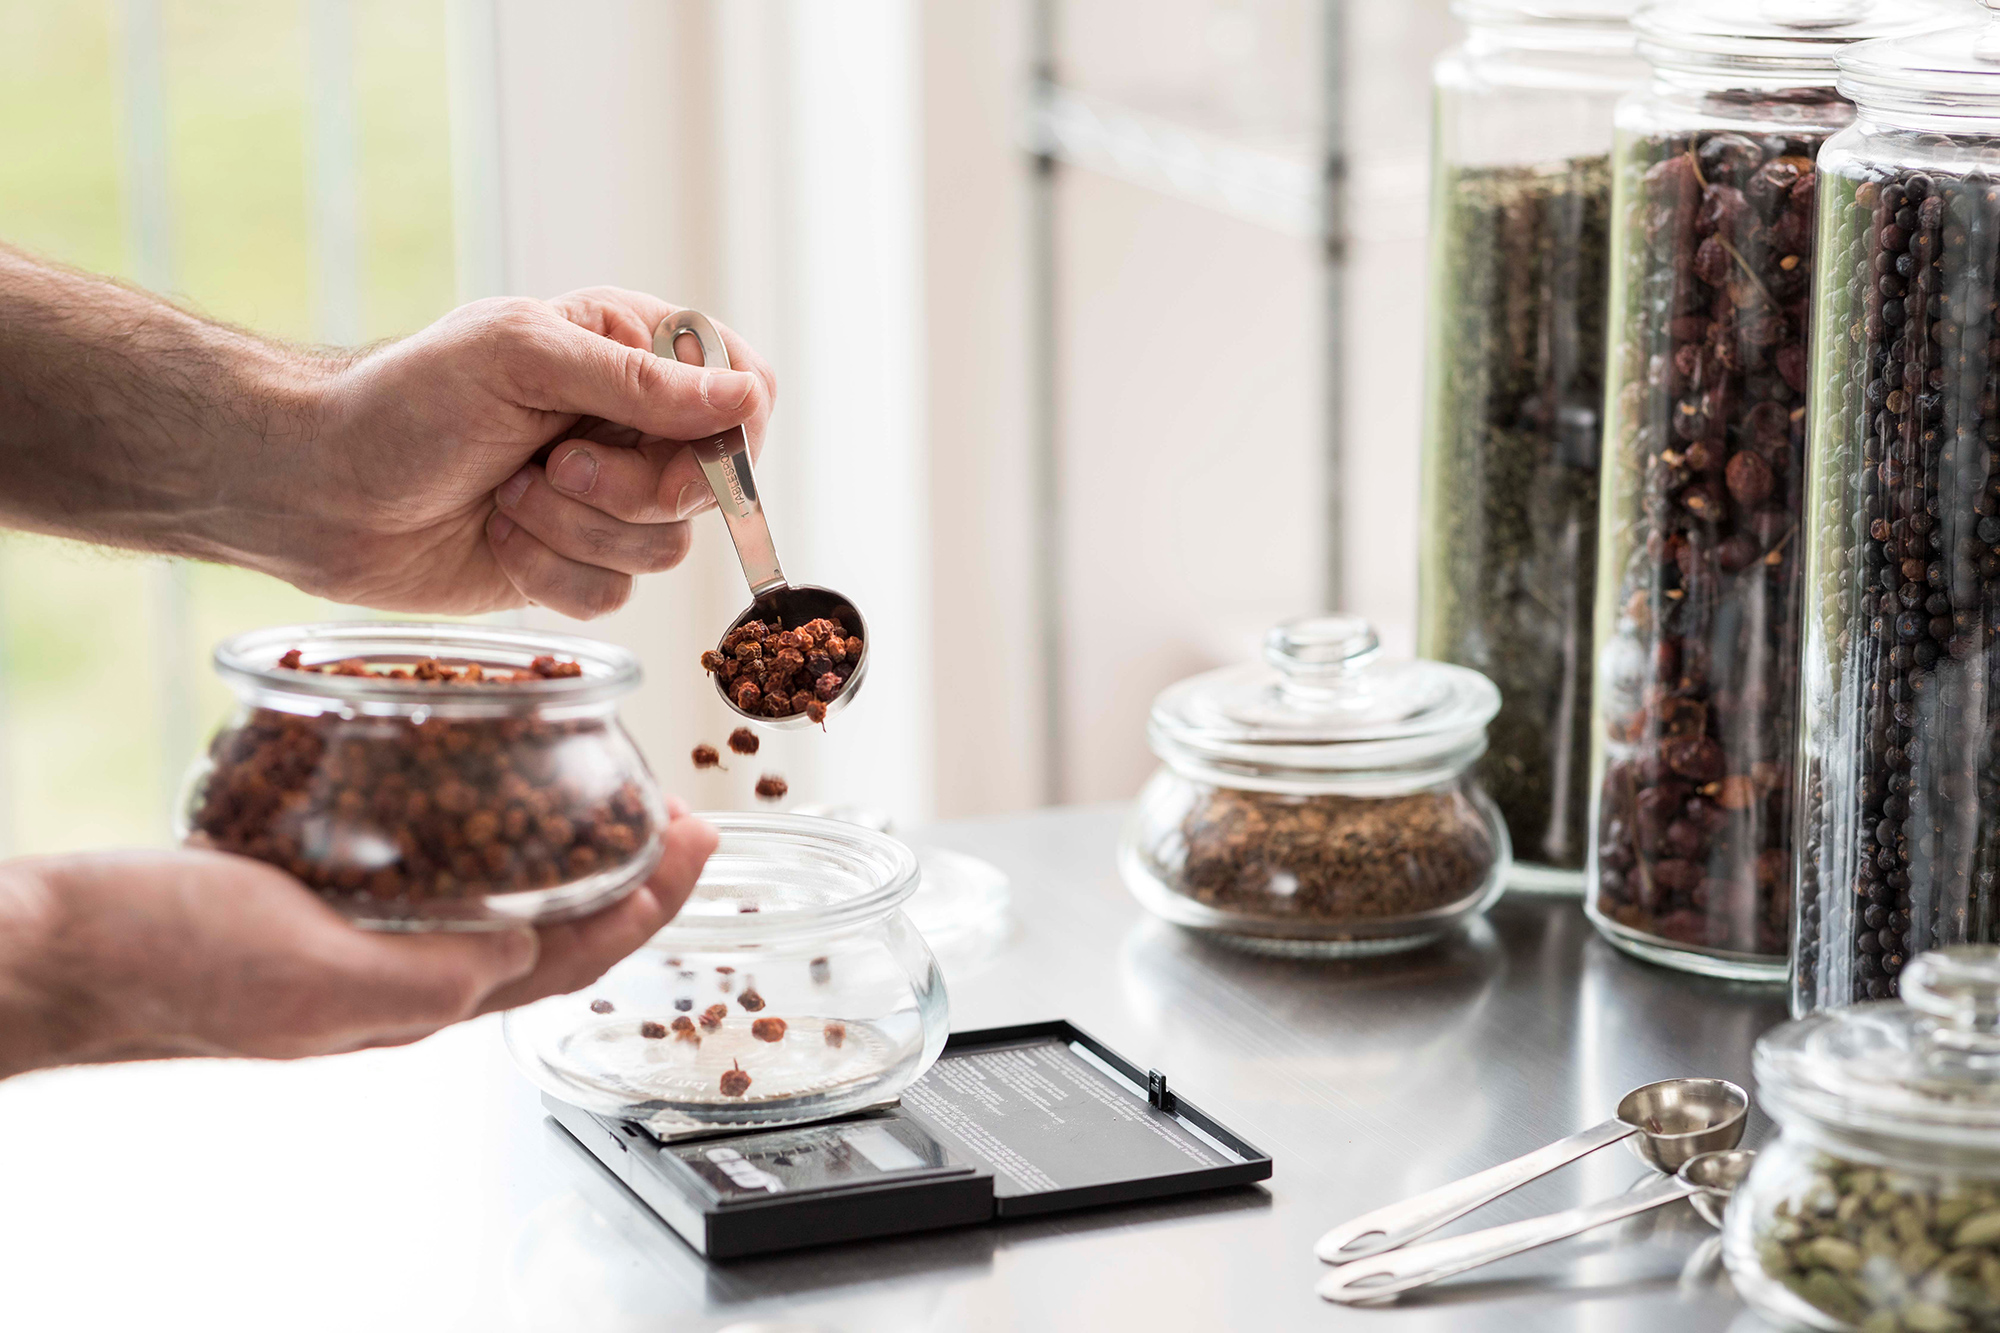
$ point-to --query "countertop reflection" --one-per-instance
(423, 1188)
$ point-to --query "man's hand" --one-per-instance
(428, 450)
(148, 954)
(418, 476)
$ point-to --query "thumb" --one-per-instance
(572, 370)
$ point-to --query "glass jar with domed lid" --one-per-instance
(1877, 1208)
(1321, 802)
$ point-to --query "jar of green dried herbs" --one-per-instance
(1878, 1207)
(1520, 220)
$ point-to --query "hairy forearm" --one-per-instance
(128, 422)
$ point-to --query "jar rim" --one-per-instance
(247, 662)
(882, 872)
(1942, 75)
(1792, 40)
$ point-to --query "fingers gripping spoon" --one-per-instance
(725, 464)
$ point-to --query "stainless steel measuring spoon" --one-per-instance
(1668, 1122)
(725, 464)
(1708, 1177)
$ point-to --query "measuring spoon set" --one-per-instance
(1685, 1128)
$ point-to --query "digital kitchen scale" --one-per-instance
(1010, 1122)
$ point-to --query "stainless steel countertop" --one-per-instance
(422, 1188)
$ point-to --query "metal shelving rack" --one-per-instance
(1293, 189)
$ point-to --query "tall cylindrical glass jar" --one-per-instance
(1900, 788)
(1705, 416)
(1520, 222)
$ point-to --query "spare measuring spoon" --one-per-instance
(1668, 1123)
(725, 464)
(1709, 1178)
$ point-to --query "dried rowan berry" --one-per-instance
(747, 907)
(290, 660)
(684, 1003)
(651, 1029)
(820, 970)
(771, 787)
(744, 741)
(734, 1081)
(683, 1029)
(815, 711)
(724, 968)
(750, 1000)
(600, 1006)
(835, 1031)
(768, 1029)
(711, 1017)
(705, 756)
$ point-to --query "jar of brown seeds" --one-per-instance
(430, 776)
(1322, 803)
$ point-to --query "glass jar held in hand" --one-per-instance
(423, 776)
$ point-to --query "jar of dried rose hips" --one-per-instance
(1712, 254)
(429, 776)
(792, 986)
(1322, 803)
(1901, 767)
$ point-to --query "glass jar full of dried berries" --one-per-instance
(1699, 557)
(1898, 850)
(428, 776)
(1322, 803)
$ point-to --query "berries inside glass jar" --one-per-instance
(404, 809)
(1903, 774)
(1704, 477)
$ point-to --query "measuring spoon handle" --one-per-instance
(1400, 1223)
(725, 462)
(1418, 1265)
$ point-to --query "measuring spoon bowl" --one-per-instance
(1678, 1119)
(794, 605)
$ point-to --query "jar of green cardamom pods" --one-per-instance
(1878, 1207)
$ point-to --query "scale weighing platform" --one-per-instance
(1010, 1122)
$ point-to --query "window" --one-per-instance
(286, 167)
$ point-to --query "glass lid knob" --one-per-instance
(1959, 989)
(1319, 648)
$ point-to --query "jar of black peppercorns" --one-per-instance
(1322, 804)
(425, 776)
(1514, 394)
(1705, 427)
(1900, 835)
